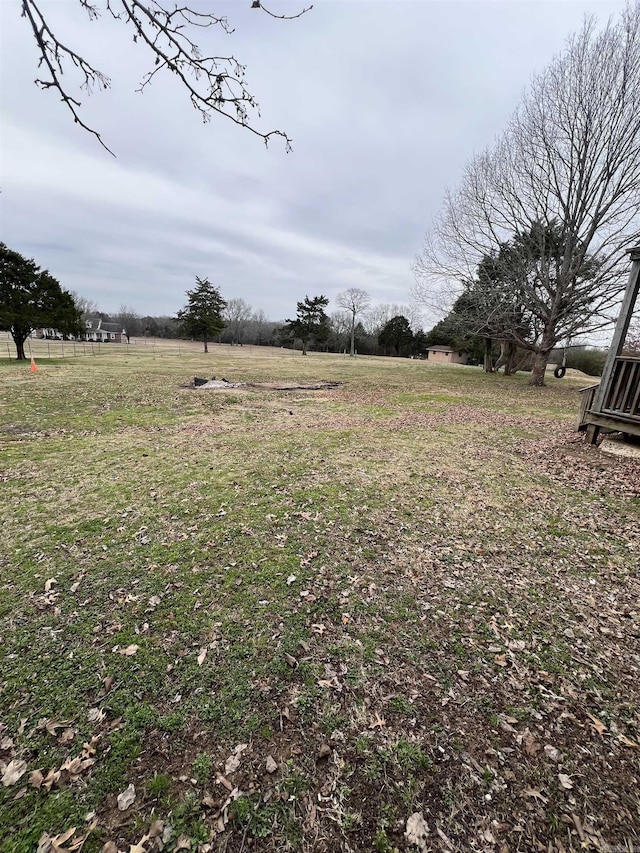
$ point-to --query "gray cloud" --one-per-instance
(384, 101)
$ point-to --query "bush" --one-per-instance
(587, 359)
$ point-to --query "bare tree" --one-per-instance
(355, 301)
(570, 157)
(236, 316)
(340, 326)
(378, 315)
(86, 307)
(129, 320)
(214, 84)
(632, 341)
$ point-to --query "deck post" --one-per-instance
(620, 333)
(592, 433)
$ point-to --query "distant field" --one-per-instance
(292, 620)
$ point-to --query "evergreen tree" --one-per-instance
(202, 316)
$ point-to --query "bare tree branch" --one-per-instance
(256, 4)
(53, 55)
(215, 84)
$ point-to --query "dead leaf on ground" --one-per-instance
(598, 725)
(108, 683)
(75, 767)
(379, 722)
(202, 655)
(36, 779)
(155, 830)
(52, 778)
(64, 843)
(565, 781)
(271, 764)
(50, 725)
(96, 715)
(536, 794)
(233, 762)
(417, 831)
(551, 752)
(220, 779)
(531, 745)
(129, 651)
(127, 798)
(13, 772)
(66, 737)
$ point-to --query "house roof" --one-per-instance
(97, 324)
(439, 348)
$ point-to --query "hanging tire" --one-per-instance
(560, 371)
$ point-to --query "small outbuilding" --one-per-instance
(447, 355)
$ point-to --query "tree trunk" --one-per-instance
(502, 360)
(540, 361)
(304, 346)
(488, 355)
(510, 355)
(19, 342)
(353, 338)
(206, 345)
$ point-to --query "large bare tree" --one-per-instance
(215, 84)
(237, 315)
(355, 301)
(130, 321)
(569, 158)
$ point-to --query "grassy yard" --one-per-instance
(272, 620)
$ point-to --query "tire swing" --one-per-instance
(561, 369)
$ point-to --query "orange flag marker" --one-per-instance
(34, 366)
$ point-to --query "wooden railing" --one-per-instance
(623, 394)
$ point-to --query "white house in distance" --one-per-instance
(447, 355)
(103, 332)
(97, 330)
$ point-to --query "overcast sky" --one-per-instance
(384, 102)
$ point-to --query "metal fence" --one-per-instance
(43, 348)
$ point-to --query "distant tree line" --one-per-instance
(357, 327)
(490, 320)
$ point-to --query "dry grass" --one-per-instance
(415, 592)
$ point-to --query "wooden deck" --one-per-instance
(620, 411)
(614, 404)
